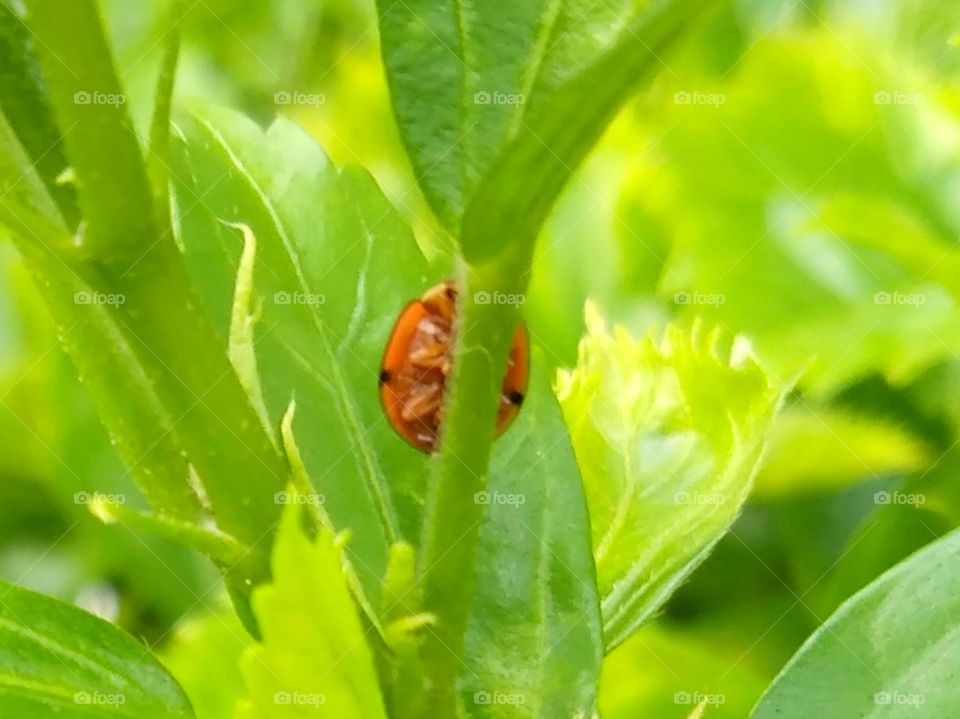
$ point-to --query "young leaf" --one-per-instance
(204, 655)
(333, 267)
(534, 642)
(668, 436)
(57, 661)
(313, 655)
(890, 650)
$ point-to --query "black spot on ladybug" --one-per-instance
(451, 293)
(385, 376)
(515, 398)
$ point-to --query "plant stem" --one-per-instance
(90, 105)
(215, 423)
(452, 521)
(125, 253)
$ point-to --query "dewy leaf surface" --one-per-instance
(314, 659)
(334, 265)
(57, 661)
(890, 651)
(534, 642)
(668, 436)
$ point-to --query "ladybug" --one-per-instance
(417, 362)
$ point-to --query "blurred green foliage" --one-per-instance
(793, 177)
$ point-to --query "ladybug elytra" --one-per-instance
(417, 362)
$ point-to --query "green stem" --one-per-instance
(498, 234)
(452, 520)
(215, 423)
(158, 156)
(220, 547)
(101, 144)
(24, 102)
(125, 254)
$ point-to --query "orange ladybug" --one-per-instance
(417, 362)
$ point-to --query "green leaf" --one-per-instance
(510, 206)
(401, 598)
(57, 661)
(333, 265)
(534, 642)
(889, 651)
(204, 655)
(905, 516)
(668, 436)
(468, 78)
(314, 656)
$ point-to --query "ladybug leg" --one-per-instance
(422, 401)
(433, 356)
